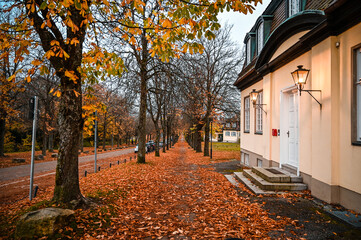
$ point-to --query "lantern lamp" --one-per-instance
(300, 76)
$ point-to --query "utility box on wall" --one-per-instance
(275, 132)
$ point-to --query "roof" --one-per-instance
(331, 18)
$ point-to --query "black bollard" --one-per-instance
(110, 165)
(118, 162)
(125, 160)
(99, 169)
(130, 158)
(85, 173)
(36, 190)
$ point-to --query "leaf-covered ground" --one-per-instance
(176, 196)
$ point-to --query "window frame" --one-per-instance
(260, 46)
(233, 134)
(246, 159)
(289, 7)
(248, 51)
(355, 117)
(249, 115)
(258, 110)
(227, 132)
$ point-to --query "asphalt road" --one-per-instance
(12, 173)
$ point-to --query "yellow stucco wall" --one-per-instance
(349, 155)
(289, 42)
(254, 142)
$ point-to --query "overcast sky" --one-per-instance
(242, 23)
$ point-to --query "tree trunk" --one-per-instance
(164, 138)
(70, 123)
(168, 135)
(51, 141)
(157, 137)
(142, 119)
(143, 99)
(198, 138)
(2, 135)
(206, 138)
(193, 141)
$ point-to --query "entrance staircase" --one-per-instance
(270, 180)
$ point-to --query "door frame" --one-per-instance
(284, 124)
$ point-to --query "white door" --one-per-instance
(292, 132)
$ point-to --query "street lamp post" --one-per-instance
(95, 140)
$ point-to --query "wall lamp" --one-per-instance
(300, 76)
(253, 96)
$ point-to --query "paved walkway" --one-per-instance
(12, 173)
(182, 195)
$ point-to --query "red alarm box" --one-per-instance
(274, 132)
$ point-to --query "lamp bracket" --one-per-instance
(260, 106)
(309, 92)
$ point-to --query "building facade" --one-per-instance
(316, 133)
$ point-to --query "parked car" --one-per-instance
(151, 145)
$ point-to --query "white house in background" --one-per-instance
(308, 121)
(230, 130)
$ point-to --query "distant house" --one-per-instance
(230, 131)
(301, 95)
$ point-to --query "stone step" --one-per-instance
(276, 175)
(231, 179)
(254, 188)
(289, 168)
(270, 186)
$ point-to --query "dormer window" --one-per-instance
(259, 38)
(293, 7)
(248, 49)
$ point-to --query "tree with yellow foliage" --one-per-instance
(156, 28)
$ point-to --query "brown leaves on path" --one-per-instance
(177, 195)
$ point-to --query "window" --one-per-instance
(259, 114)
(358, 93)
(246, 115)
(228, 125)
(248, 51)
(259, 162)
(227, 134)
(356, 97)
(234, 125)
(259, 38)
(293, 7)
(233, 134)
(246, 159)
